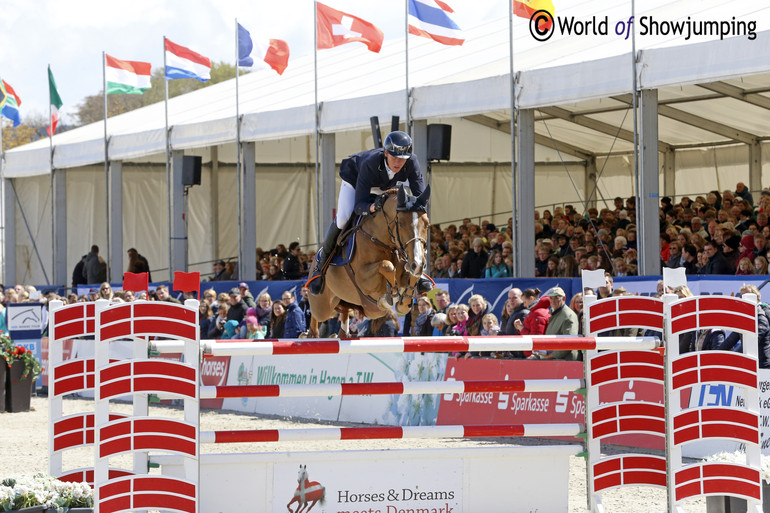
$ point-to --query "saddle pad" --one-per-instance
(342, 257)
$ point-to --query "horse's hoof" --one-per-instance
(385, 302)
(403, 308)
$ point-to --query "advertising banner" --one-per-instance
(535, 407)
(398, 410)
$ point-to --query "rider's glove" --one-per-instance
(379, 202)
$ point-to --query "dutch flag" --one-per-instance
(430, 18)
(182, 62)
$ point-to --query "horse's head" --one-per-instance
(302, 474)
(408, 214)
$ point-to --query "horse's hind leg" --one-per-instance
(311, 506)
(345, 322)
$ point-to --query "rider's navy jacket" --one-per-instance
(366, 169)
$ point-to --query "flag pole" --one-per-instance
(50, 152)
(317, 126)
(106, 162)
(2, 205)
(406, 61)
(238, 167)
(514, 227)
(168, 167)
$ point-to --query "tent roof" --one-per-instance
(581, 84)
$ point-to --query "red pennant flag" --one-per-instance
(336, 28)
(136, 282)
(187, 282)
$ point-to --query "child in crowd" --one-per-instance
(490, 327)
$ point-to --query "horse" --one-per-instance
(389, 258)
(307, 491)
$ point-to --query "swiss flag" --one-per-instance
(336, 28)
(187, 282)
(136, 282)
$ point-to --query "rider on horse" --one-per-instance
(363, 174)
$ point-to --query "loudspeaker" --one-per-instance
(191, 170)
(376, 135)
(439, 141)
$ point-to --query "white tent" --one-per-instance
(712, 95)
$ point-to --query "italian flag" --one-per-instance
(56, 103)
(126, 77)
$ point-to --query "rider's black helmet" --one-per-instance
(399, 144)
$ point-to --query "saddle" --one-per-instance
(346, 243)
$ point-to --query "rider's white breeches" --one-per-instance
(345, 204)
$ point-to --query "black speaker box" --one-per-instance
(191, 170)
(439, 141)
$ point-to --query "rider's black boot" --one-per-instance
(316, 281)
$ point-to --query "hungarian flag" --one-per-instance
(526, 8)
(275, 52)
(12, 101)
(56, 103)
(336, 28)
(126, 77)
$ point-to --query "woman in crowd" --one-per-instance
(552, 267)
(576, 305)
(264, 309)
(760, 265)
(439, 324)
(204, 318)
(277, 320)
(385, 326)
(536, 320)
(461, 314)
(478, 309)
(105, 291)
(567, 267)
(745, 267)
(422, 322)
(217, 325)
(451, 318)
(355, 322)
(496, 268)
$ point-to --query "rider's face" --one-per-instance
(394, 163)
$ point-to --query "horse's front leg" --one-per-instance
(372, 282)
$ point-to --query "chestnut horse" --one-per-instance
(307, 491)
(389, 258)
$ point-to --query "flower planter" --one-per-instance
(734, 505)
(43, 509)
(18, 391)
(3, 372)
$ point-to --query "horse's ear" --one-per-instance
(401, 196)
(423, 198)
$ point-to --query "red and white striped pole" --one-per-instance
(389, 433)
(418, 387)
(412, 345)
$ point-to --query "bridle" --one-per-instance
(397, 247)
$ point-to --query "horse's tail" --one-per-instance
(322, 500)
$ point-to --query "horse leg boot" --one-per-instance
(424, 285)
(316, 282)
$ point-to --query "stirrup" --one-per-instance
(316, 282)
